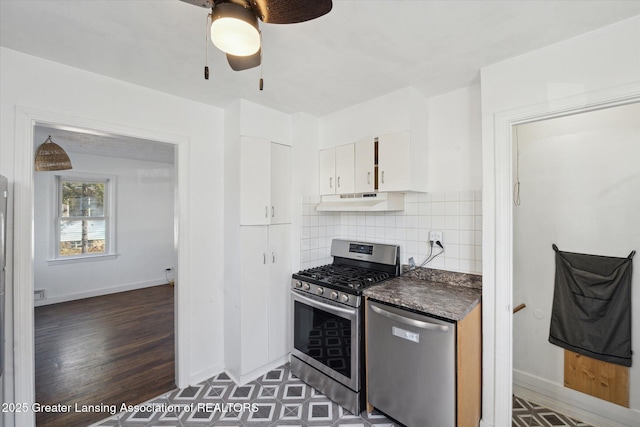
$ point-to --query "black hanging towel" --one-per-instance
(591, 312)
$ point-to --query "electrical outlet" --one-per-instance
(435, 236)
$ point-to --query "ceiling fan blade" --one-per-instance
(239, 63)
(202, 3)
(290, 11)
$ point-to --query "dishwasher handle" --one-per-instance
(411, 322)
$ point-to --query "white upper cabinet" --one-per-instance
(394, 162)
(328, 171)
(364, 166)
(280, 184)
(386, 163)
(265, 182)
(344, 169)
(336, 170)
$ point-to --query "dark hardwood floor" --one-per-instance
(106, 350)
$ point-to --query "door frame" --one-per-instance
(498, 235)
(23, 220)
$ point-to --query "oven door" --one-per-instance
(326, 336)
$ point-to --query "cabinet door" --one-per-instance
(280, 184)
(280, 283)
(364, 166)
(327, 171)
(394, 162)
(344, 169)
(255, 181)
(254, 282)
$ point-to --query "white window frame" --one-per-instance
(109, 182)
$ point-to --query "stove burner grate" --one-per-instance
(345, 276)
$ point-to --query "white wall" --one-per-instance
(144, 231)
(454, 129)
(60, 91)
(593, 69)
(580, 181)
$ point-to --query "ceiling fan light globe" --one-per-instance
(235, 36)
(234, 29)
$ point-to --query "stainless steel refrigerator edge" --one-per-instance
(4, 193)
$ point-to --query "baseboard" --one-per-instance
(256, 373)
(205, 374)
(578, 405)
(484, 423)
(99, 292)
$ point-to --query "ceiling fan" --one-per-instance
(235, 30)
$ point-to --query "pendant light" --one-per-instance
(51, 157)
(234, 29)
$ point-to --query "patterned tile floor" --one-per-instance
(280, 399)
(527, 414)
(275, 399)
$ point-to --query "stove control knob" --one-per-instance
(320, 291)
(306, 286)
(298, 284)
(344, 298)
(334, 295)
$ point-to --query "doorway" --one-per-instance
(578, 182)
(23, 273)
(103, 248)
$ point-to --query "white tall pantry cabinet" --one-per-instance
(257, 288)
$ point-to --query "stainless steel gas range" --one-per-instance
(328, 318)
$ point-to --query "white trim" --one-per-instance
(569, 402)
(23, 283)
(99, 292)
(84, 258)
(497, 227)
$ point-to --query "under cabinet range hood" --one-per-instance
(366, 202)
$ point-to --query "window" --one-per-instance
(84, 221)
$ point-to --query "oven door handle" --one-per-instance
(314, 303)
(411, 322)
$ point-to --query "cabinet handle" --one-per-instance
(273, 211)
(330, 182)
(368, 177)
(338, 182)
(273, 257)
(264, 257)
(382, 177)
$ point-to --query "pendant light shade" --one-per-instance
(235, 29)
(51, 157)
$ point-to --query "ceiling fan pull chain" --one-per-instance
(206, 48)
(261, 81)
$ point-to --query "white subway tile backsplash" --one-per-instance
(452, 222)
(437, 222)
(467, 196)
(467, 208)
(457, 214)
(452, 196)
(437, 208)
(451, 208)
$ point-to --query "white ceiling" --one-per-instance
(360, 50)
(85, 141)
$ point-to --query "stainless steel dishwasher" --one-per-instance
(411, 366)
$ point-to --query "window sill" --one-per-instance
(76, 259)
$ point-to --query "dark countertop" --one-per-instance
(446, 294)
